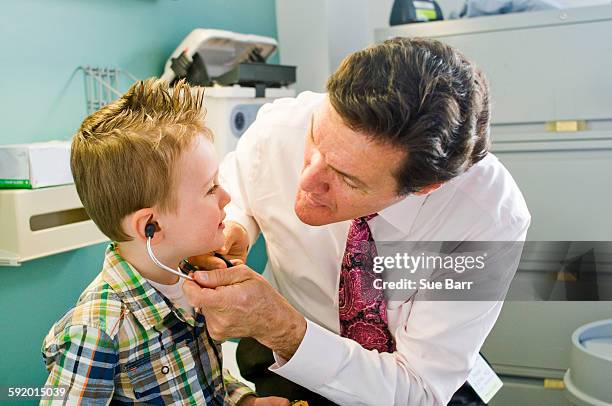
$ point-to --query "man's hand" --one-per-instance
(267, 401)
(236, 248)
(238, 302)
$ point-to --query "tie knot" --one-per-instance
(368, 217)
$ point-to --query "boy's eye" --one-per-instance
(212, 190)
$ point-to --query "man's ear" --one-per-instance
(428, 189)
(137, 222)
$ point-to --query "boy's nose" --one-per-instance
(224, 197)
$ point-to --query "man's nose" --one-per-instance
(314, 175)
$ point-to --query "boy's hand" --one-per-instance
(267, 401)
(235, 249)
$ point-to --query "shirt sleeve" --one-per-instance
(237, 175)
(434, 355)
(437, 345)
(81, 364)
(236, 390)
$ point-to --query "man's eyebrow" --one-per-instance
(352, 178)
(312, 127)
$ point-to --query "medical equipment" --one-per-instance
(417, 11)
(238, 81)
(149, 233)
(185, 267)
(222, 258)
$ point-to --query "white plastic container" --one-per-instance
(39, 222)
(588, 381)
(40, 164)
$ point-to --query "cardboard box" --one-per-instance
(36, 165)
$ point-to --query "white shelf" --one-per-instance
(35, 223)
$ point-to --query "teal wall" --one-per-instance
(42, 43)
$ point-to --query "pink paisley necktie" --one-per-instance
(363, 310)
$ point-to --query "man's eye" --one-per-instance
(212, 190)
(349, 183)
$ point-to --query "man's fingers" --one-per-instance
(202, 298)
(207, 261)
(202, 293)
(195, 294)
(223, 277)
(230, 239)
(277, 401)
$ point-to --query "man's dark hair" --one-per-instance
(421, 95)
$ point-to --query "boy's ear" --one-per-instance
(137, 222)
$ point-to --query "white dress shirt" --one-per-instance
(437, 342)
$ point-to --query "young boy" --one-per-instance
(145, 159)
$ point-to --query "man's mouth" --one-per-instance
(313, 201)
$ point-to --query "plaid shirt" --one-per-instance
(125, 343)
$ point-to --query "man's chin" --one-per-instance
(312, 216)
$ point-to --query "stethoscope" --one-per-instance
(150, 232)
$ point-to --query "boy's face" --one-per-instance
(196, 227)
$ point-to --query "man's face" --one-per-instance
(345, 175)
(196, 226)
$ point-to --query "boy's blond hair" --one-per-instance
(123, 155)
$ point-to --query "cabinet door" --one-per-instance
(567, 184)
(533, 338)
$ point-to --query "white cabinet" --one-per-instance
(38, 222)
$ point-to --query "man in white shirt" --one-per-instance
(397, 150)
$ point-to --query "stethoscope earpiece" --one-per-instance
(150, 230)
(149, 233)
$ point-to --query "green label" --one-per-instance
(15, 184)
(425, 14)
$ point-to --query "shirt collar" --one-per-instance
(143, 301)
(403, 214)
